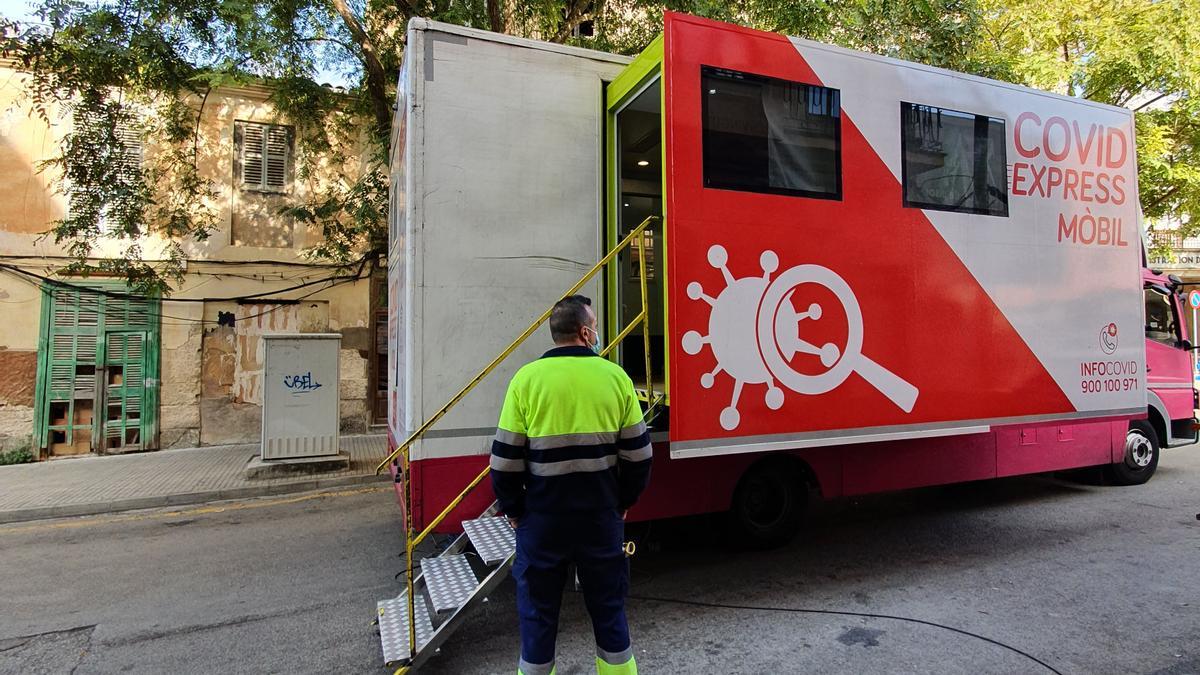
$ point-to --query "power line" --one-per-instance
(332, 281)
(284, 263)
(130, 296)
(263, 276)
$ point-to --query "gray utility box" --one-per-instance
(300, 395)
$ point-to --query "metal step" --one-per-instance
(493, 538)
(393, 626)
(450, 581)
(452, 588)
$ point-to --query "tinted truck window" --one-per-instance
(953, 161)
(763, 134)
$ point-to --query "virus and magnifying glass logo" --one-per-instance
(754, 331)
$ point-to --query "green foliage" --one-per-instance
(1133, 53)
(352, 217)
(16, 456)
(151, 65)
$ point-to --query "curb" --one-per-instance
(97, 508)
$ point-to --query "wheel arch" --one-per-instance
(785, 461)
(1157, 415)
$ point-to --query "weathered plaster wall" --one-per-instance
(18, 375)
(224, 420)
(353, 374)
(179, 404)
(19, 317)
(27, 196)
(233, 358)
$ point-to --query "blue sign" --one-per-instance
(300, 384)
(1194, 299)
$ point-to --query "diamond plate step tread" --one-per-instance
(493, 538)
(450, 581)
(393, 627)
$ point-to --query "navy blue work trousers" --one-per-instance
(546, 543)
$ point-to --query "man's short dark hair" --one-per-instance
(568, 316)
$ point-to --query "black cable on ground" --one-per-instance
(867, 615)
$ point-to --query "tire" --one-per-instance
(1141, 456)
(769, 505)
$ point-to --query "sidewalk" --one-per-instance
(90, 485)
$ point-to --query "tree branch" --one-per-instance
(1149, 103)
(1165, 196)
(574, 18)
(196, 133)
(345, 45)
(376, 76)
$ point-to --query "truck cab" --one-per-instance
(1170, 369)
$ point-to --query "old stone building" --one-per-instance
(91, 368)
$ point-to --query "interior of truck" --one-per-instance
(636, 192)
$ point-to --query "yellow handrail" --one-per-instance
(401, 451)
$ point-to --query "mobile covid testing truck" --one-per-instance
(830, 273)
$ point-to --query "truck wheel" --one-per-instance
(1141, 456)
(769, 505)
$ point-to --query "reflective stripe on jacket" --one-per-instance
(571, 437)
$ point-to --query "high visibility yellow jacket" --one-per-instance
(571, 437)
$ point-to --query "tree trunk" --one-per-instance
(381, 103)
(495, 10)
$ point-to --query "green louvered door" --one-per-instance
(128, 382)
(124, 389)
(97, 385)
(70, 388)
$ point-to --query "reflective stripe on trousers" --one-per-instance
(607, 663)
(524, 668)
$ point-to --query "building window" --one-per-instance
(130, 165)
(127, 163)
(763, 134)
(264, 156)
(953, 161)
(263, 161)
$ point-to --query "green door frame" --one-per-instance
(638, 75)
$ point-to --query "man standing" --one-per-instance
(571, 455)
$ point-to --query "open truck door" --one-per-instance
(634, 178)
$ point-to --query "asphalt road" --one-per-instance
(1086, 578)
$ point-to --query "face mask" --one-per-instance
(595, 341)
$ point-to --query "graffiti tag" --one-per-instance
(301, 383)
